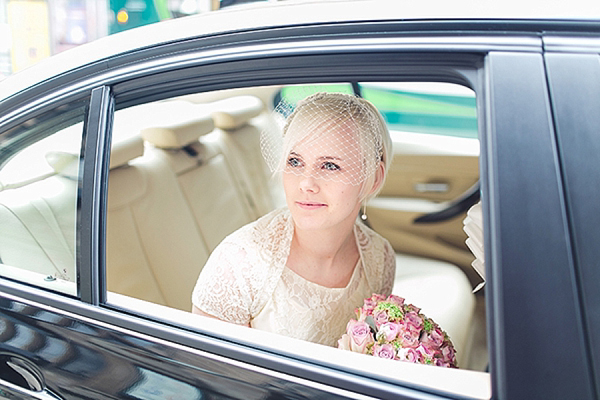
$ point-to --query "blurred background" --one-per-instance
(31, 30)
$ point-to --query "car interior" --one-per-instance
(186, 172)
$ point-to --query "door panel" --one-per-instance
(426, 173)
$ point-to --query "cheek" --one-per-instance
(349, 195)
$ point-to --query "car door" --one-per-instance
(529, 261)
(574, 82)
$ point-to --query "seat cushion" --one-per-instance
(443, 293)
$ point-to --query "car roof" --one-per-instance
(288, 14)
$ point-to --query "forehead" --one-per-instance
(323, 136)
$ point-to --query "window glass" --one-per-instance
(39, 177)
(190, 171)
(423, 107)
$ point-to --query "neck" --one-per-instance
(324, 246)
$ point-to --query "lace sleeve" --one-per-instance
(224, 289)
(389, 269)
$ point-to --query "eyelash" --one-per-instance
(329, 166)
(295, 162)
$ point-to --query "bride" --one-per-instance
(302, 270)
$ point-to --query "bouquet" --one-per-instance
(390, 328)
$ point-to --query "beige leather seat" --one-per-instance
(37, 221)
(218, 197)
(154, 247)
(239, 121)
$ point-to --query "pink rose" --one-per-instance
(411, 307)
(413, 321)
(439, 363)
(397, 300)
(388, 331)
(371, 302)
(449, 354)
(344, 342)
(434, 339)
(360, 335)
(408, 354)
(384, 351)
(425, 353)
(409, 339)
(381, 317)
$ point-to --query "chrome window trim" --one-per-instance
(421, 42)
(571, 44)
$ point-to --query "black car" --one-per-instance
(123, 163)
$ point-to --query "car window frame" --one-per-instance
(68, 103)
(460, 69)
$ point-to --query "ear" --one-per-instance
(379, 178)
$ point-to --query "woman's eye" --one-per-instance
(294, 162)
(329, 166)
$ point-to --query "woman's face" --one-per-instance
(322, 178)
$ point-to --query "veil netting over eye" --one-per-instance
(333, 136)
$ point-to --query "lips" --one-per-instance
(310, 205)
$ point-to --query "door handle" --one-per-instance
(21, 379)
(432, 187)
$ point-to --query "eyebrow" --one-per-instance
(293, 153)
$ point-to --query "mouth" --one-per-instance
(310, 205)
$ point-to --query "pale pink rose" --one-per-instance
(344, 342)
(408, 354)
(413, 321)
(412, 307)
(440, 363)
(449, 354)
(371, 302)
(381, 317)
(360, 335)
(397, 300)
(409, 339)
(384, 351)
(425, 353)
(388, 331)
(434, 339)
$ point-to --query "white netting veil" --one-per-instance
(331, 136)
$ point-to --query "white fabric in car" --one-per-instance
(443, 293)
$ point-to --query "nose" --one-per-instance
(308, 183)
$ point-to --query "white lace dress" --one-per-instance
(245, 281)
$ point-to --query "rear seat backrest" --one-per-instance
(37, 221)
(216, 195)
(239, 121)
(154, 249)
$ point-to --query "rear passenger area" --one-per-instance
(183, 176)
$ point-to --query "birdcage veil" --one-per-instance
(332, 136)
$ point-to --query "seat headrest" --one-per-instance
(64, 164)
(126, 150)
(179, 134)
(234, 112)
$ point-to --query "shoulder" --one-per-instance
(369, 240)
(273, 222)
(379, 258)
